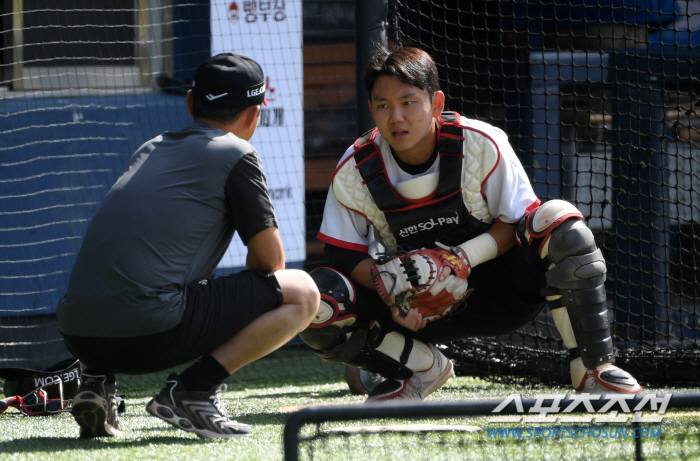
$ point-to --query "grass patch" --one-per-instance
(262, 395)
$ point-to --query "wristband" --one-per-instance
(479, 249)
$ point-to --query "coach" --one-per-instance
(141, 297)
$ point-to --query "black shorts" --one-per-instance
(216, 310)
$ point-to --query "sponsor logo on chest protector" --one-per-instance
(430, 224)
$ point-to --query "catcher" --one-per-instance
(447, 200)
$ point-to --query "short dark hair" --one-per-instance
(217, 114)
(410, 65)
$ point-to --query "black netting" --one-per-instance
(599, 100)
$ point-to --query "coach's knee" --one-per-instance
(310, 297)
(300, 291)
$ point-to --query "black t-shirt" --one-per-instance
(167, 222)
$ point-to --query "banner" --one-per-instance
(270, 31)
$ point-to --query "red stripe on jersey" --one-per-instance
(341, 243)
(532, 207)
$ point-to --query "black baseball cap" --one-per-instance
(229, 79)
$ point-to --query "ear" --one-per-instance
(251, 116)
(189, 100)
(438, 103)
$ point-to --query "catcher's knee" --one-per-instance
(545, 231)
(336, 336)
(576, 261)
(334, 321)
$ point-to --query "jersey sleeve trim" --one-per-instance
(342, 244)
(534, 205)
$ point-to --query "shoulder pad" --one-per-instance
(347, 183)
(367, 137)
(449, 117)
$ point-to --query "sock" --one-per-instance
(89, 372)
(204, 374)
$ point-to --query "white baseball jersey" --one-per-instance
(494, 188)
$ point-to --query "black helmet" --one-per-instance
(41, 392)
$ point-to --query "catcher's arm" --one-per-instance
(498, 240)
(504, 235)
(361, 274)
(481, 249)
(456, 264)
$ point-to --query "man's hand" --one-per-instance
(398, 276)
(429, 281)
(412, 320)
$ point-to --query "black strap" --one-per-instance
(450, 155)
(449, 116)
(407, 348)
(367, 159)
(373, 173)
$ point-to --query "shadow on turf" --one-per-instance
(306, 394)
(252, 419)
(49, 444)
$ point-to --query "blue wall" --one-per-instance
(58, 159)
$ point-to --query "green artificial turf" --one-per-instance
(264, 395)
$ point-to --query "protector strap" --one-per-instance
(442, 217)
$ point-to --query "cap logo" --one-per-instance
(256, 91)
(211, 97)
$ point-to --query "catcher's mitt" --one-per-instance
(411, 280)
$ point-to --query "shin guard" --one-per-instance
(556, 234)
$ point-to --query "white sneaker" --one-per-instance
(417, 387)
(607, 379)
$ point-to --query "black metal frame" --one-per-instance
(482, 408)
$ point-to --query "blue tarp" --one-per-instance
(535, 15)
(58, 159)
(683, 32)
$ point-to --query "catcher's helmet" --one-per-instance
(41, 392)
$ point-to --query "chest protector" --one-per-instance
(441, 216)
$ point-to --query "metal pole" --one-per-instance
(370, 28)
(638, 455)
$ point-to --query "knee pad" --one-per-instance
(536, 229)
(576, 261)
(336, 335)
(334, 322)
